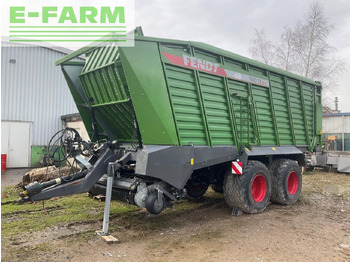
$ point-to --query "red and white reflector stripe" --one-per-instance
(236, 168)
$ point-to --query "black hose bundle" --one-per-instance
(60, 147)
(65, 144)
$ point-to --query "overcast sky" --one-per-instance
(229, 24)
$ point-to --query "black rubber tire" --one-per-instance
(310, 168)
(238, 188)
(280, 171)
(154, 205)
(196, 189)
(218, 188)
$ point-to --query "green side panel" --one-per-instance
(36, 153)
(71, 73)
(297, 115)
(242, 112)
(185, 101)
(318, 119)
(309, 105)
(199, 104)
(264, 116)
(148, 90)
(104, 85)
(187, 92)
(119, 118)
(281, 109)
(101, 57)
(216, 109)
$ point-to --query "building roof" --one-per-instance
(70, 117)
(5, 42)
(337, 114)
(328, 110)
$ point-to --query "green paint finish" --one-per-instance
(145, 78)
(71, 73)
(217, 110)
(186, 105)
(36, 153)
(104, 85)
(264, 116)
(187, 92)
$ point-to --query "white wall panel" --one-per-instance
(33, 89)
(336, 124)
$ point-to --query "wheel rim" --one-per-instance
(158, 204)
(293, 183)
(259, 188)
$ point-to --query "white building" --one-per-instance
(336, 131)
(34, 96)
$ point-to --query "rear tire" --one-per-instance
(251, 191)
(286, 181)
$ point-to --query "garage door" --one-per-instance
(15, 142)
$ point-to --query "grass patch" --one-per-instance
(81, 209)
(20, 218)
(317, 182)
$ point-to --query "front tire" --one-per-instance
(154, 204)
(218, 188)
(251, 191)
(286, 181)
(196, 189)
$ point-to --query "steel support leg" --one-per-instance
(110, 178)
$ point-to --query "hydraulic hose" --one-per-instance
(35, 187)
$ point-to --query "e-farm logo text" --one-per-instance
(71, 23)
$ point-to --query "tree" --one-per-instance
(310, 42)
(303, 50)
(261, 49)
(285, 56)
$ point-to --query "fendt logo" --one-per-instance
(213, 68)
(200, 64)
(68, 22)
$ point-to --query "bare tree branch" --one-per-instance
(261, 49)
(303, 50)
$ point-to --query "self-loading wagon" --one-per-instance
(168, 118)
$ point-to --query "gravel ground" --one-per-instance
(316, 228)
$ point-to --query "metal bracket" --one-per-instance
(236, 212)
(83, 161)
(162, 191)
